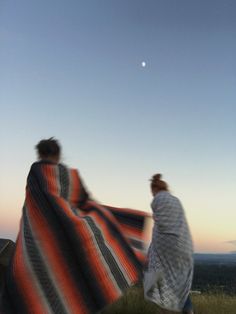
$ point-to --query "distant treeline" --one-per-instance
(215, 278)
(215, 258)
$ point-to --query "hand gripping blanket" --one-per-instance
(72, 254)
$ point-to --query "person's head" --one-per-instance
(49, 149)
(157, 184)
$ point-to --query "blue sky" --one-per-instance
(73, 70)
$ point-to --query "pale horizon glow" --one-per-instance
(129, 88)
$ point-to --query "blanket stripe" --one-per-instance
(72, 255)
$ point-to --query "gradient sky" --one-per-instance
(72, 69)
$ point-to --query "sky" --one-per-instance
(73, 70)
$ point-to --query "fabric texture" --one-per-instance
(168, 278)
(7, 248)
(72, 254)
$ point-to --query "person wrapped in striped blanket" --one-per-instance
(72, 254)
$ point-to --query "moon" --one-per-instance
(143, 64)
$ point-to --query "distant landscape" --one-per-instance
(215, 273)
(215, 258)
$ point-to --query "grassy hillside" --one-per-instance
(214, 303)
(133, 303)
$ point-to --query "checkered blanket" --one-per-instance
(72, 254)
(168, 278)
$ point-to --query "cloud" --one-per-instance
(233, 242)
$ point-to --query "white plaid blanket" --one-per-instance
(168, 278)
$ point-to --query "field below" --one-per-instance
(133, 303)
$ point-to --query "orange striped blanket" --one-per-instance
(72, 254)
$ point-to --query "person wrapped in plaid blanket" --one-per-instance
(169, 274)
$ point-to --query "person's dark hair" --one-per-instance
(157, 183)
(48, 148)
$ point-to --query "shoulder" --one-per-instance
(162, 196)
(65, 171)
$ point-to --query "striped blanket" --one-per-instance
(72, 254)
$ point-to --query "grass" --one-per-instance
(214, 303)
(133, 303)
